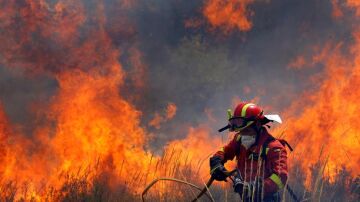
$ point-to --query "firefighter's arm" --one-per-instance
(217, 161)
(228, 151)
(277, 157)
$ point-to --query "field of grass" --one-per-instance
(93, 184)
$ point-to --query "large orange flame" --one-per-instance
(229, 14)
(90, 122)
(326, 128)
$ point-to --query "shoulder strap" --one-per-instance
(265, 147)
(238, 142)
(267, 142)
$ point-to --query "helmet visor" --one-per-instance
(238, 122)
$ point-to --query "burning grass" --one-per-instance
(92, 183)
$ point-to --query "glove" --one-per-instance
(217, 169)
(239, 185)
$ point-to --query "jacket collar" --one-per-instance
(260, 140)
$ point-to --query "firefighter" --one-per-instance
(261, 158)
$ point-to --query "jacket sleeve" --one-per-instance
(229, 151)
(277, 158)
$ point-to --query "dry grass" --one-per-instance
(91, 184)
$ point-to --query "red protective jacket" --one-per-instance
(250, 165)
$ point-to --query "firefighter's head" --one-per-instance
(247, 119)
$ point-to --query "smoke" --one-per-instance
(21, 95)
(199, 69)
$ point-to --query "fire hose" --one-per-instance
(208, 184)
(206, 188)
(202, 191)
(180, 181)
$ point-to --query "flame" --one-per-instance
(354, 4)
(159, 119)
(336, 12)
(4, 133)
(229, 14)
(92, 122)
(156, 121)
(171, 110)
(297, 63)
(326, 126)
(89, 124)
(197, 147)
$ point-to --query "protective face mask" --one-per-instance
(247, 141)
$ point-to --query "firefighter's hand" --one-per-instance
(217, 169)
(239, 185)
